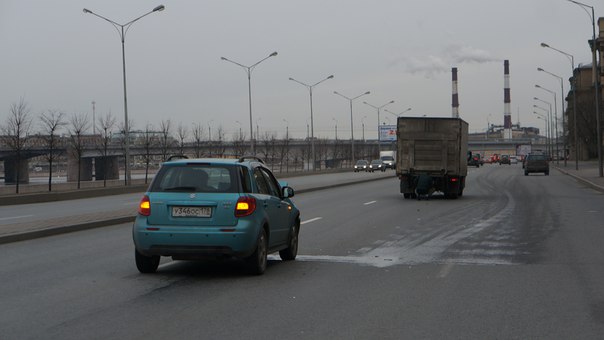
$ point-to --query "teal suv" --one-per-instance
(200, 208)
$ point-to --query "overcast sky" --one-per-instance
(55, 56)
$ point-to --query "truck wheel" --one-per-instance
(406, 195)
(451, 195)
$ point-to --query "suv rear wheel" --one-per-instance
(146, 264)
(256, 263)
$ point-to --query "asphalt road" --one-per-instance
(517, 257)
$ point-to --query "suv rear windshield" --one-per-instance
(196, 178)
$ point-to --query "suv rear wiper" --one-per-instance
(180, 189)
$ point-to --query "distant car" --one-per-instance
(513, 159)
(505, 159)
(388, 162)
(475, 160)
(536, 163)
(199, 208)
(376, 164)
(361, 165)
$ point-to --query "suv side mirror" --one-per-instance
(287, 192)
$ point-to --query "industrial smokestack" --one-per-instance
(507, 113)
(455, 113)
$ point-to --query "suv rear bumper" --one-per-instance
(195, 242)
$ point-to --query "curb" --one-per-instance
(29, 235)
(581, 179)
(52, 231)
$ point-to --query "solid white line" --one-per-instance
(14, 217)
(311, 220)
(368, 203)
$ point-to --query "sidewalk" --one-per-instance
(69, 223)
(588, 172)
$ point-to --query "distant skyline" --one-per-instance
(55, 56)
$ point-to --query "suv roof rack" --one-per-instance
(175, 157)
(254, 158)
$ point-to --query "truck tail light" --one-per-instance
(144, 207)
(453, 179)
(245, 206)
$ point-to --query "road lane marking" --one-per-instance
(311, 220)
(445, 270)
(14, 217)
(368, 203)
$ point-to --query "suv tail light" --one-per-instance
(245, 206)
(144, 207)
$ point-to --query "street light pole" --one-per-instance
(363, 123)
(249, 69)
(122, 33)
(574, 87)
(351, 122)
(397, 114)
(563, 110)
(312, 124)
(548, 128)
(544, 118)
(551, 121)
(336, 127)
(378, 108)
(93, 118)
(554, 122)
(596, 77)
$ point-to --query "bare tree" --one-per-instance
(52, 121)
(183, 134)
(267, 149)
(239, 143)
(198, 136)
(149, 141)
(284, 154)
(16, 131)
(106, 124)
(166, 140)
(123, 142)
(219, 145)
(77, 129)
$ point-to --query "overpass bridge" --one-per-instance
(105, 164)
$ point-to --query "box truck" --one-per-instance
(431, 156)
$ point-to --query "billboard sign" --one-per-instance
(387, 133)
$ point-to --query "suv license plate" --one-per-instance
(191, 212)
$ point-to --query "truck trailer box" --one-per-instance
(432, 152)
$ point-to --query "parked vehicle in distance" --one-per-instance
(217, 208)
(536, 163)
(505, 159)
(514, 159)
(361, 165)
(376, 164)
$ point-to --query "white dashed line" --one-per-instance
(14, 217)
(311, 220)
(368, 203)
